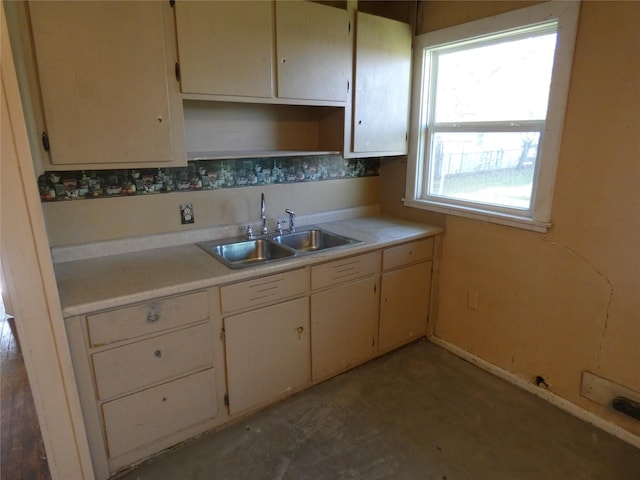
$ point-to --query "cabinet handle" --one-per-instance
(153, 317)
(158, 353)
(300, 331)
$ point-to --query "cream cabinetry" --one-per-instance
(300, 51)
(405, 293)
(344, 314)
(266, 332)
(106, 77)
(380, 119)
(313, 51)
(147, 376)
(226, 47)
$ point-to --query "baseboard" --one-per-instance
(550, 397)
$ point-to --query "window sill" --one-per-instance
(509, 220)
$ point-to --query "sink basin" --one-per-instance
(244, 253)
(240, 252)
(313, 240)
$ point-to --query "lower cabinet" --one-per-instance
(267, 353)
(147, 376)
(150, 375)
(344, 316)
(405, 293)
(266, 336)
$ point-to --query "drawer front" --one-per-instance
(139, 364)
(141, 418)
(131, 322)
(344, 270)
(407, 253)
(263, 291)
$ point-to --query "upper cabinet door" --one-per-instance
(226, 47)
(382, 85)
(313, 51)
(108, 89)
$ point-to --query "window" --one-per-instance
(488, 110)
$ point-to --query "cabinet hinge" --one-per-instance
(349, 27)
(172, 3)
(226, 399)
(45, 141)
(223, 335)
(177, 71)
(348, 86)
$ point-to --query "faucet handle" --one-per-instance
(292, 215)
(250, 235)
(279, 224)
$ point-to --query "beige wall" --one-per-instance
(559, 303)
(80, 221)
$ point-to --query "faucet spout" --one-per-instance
(263, 215)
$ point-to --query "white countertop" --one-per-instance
(104, 282)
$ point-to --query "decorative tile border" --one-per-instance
(201, 175)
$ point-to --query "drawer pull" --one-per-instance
(158, 353)
(153, 317)
(164, 399)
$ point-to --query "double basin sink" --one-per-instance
(242, 252)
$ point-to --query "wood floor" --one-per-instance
(22, 455)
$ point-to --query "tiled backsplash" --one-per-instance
(201, 175)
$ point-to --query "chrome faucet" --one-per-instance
(263, 215)
(292, 215)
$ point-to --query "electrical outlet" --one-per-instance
(186, 213)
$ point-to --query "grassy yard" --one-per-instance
(509, 187)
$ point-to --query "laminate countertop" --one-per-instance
(104, 282)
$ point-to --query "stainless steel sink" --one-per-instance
(313, 240)
(244, 253)
(241, 252)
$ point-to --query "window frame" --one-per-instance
(537, 218)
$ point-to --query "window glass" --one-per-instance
(495, 168)
(496, 82)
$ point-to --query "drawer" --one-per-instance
(140, 364)
(344, 270)
(263, 291)
(407, 253)
(131, 322)
(141, 418)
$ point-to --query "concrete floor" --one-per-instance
(418, 413)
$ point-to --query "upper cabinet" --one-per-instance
(380, 121)
(313, 51)
(229, 49)
(226, 47)
(108, 88)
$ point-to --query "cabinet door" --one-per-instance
(313, 51)
(404, 305)
(382, 85)
(344, 324)
(108, 93)
(267, 353)
(226, 47)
